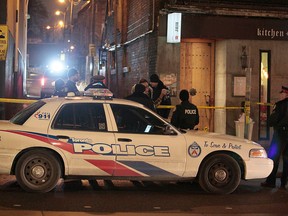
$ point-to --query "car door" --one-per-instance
(142, 147)
(81, 130)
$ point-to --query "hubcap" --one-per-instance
(220, 175)
(38, 171)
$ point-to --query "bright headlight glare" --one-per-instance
(56, 66)
(257, 153)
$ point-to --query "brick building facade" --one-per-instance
(135, 55)
(216, 37)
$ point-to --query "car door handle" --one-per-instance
(63, 137)
(124, 140)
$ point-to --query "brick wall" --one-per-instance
(83, 36)
(138, 50)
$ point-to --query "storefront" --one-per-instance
(229, 60)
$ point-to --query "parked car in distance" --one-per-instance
(48, 81)
(33, 85)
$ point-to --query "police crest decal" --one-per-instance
(194, 150)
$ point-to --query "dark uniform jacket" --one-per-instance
(98, 84)
(143, 99)
(71, 87)
(60, 93)
(166, 100)
(185, 116)
(279, 116)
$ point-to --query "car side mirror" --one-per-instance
(169, 131)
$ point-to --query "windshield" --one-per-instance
(21, 117)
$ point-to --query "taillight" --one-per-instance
(42, 81)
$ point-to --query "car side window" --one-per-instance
(81, 116)
(131, 119)
(21, 117)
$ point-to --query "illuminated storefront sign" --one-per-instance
(223, 27)
(174, 28)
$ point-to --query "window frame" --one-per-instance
(267, 129)
(76, 115)
(22, 116)
(154, 130)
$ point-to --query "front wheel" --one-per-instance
(220, 174)
(38, 171)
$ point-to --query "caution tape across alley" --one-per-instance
(26, 101)
(21, 101)
(216, 107)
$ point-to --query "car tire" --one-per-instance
(38, 171)
(220, 174)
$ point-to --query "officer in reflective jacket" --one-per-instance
(185, 115)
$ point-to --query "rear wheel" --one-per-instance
(38, 171)
(220, 174)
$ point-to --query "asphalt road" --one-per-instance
(126, 198)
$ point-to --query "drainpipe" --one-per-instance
(115, 47)
(71, 18)
(139, 36)
(148, 32)
(25, 46)
(116, 41)
(92, 40)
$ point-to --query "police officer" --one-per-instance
(96, 82)
(139, 96)
(279, 144)
(60, 89)
(186, 115)
(73, 78)
(160, 95)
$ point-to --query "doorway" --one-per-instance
(197, 71)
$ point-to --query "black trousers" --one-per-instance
(278, 148)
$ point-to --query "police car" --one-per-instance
(102, 137)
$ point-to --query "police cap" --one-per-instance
(284, 90)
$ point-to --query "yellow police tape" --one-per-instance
(22, 101)
(213, 107)
(200, 107)
(25, 101)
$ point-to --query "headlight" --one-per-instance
(257, 153)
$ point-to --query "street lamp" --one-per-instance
(61, 24)
(69, 22)
(58, 13)
(71, 12)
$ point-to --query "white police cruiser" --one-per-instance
(106, 138)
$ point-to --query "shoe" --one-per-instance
(268, 185)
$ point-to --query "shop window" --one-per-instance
(264, 93)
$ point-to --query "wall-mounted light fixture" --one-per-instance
(244, 58)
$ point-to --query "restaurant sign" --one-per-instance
(174, 28)
(213, 27)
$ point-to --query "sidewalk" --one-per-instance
(50, 213)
